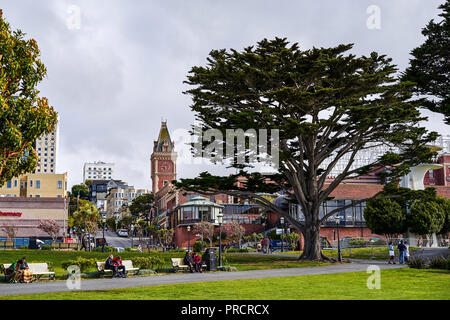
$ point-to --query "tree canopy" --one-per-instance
(81, 190)
(430, 66)
(141, 206)
(327, 104)
(24, 115)
(385, 217)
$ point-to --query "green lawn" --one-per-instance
(241, 261)
(395, 284)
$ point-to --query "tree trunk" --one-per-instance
(311, 248)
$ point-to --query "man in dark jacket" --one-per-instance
(402, 248)
(109, 265)
(189, 262)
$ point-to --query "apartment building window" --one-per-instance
(8, 184)
(431, 174)
(15, 183)
(37, 196)
(38, 184)
(31, 183)
(60, 185)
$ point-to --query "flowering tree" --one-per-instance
(235, 231)
(51, 227)
(206, 229)
(10, 231)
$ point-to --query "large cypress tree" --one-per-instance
(430, 66)
(326, 103)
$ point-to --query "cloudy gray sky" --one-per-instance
(115, 77)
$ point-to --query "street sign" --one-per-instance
(279, 232)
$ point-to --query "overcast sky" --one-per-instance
(114, 75)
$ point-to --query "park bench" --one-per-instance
(127, 263)
(39, 270)
(178, 264)
(6, 244)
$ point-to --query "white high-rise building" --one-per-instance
(98, 171)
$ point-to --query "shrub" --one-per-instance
(226, 268)
(439, 263)
(148, 262)
(143, 272)
(107, 249)
(357, 242)
(197, 247)
(237, 250)
(83, 263)
(417, 263)
(46, 247)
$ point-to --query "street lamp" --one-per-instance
(338, 221)
(189, 235)
(282, 237)
(132, 230)
(220, 221)
(103, 240)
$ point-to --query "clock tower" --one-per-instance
(163, 160)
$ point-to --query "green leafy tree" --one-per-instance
(111, 223)
(24, 116)
(80, 190)
(86, 218)
(127, 221)
(327, 105)
(141, 206)
(386, 217)
(426, 217)
(293, 238)
(445, 205)
(430, 66)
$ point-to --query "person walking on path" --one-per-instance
(402, 249)
(391, 253)
(406, 252)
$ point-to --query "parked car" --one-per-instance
(122, 233)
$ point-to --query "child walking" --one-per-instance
(391, 253)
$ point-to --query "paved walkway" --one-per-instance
(106, 284)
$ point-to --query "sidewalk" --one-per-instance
(107, 284)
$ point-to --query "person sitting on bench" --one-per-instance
(197, 262)
(27, 275)
(121, 272)
(189, 262)
(14, 274)
(109, 264)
